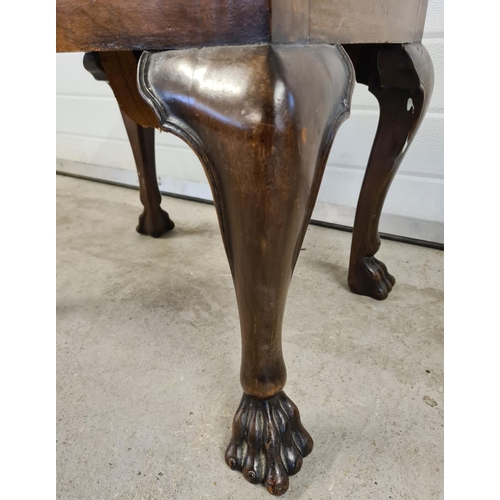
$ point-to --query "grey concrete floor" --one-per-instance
(148, 360)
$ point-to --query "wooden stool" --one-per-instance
(258, 89)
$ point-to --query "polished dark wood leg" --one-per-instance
(262, 120)
(153, 221)
(401, 77)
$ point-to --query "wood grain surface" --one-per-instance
(101, 25)
(367, 21)
(107, 25)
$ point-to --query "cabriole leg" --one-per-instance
(262, 120)
(401, 77)
(153, 221)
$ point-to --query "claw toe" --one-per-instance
(380, 293)
(277, 481)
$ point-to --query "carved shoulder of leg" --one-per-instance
(228, 90)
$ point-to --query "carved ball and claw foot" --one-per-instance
(268, 441)
(155, 223)
(369, 276)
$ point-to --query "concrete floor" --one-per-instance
(148, 360)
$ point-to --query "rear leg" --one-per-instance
(401, 77)
(140, 123)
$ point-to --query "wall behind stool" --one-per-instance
(92, 142)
